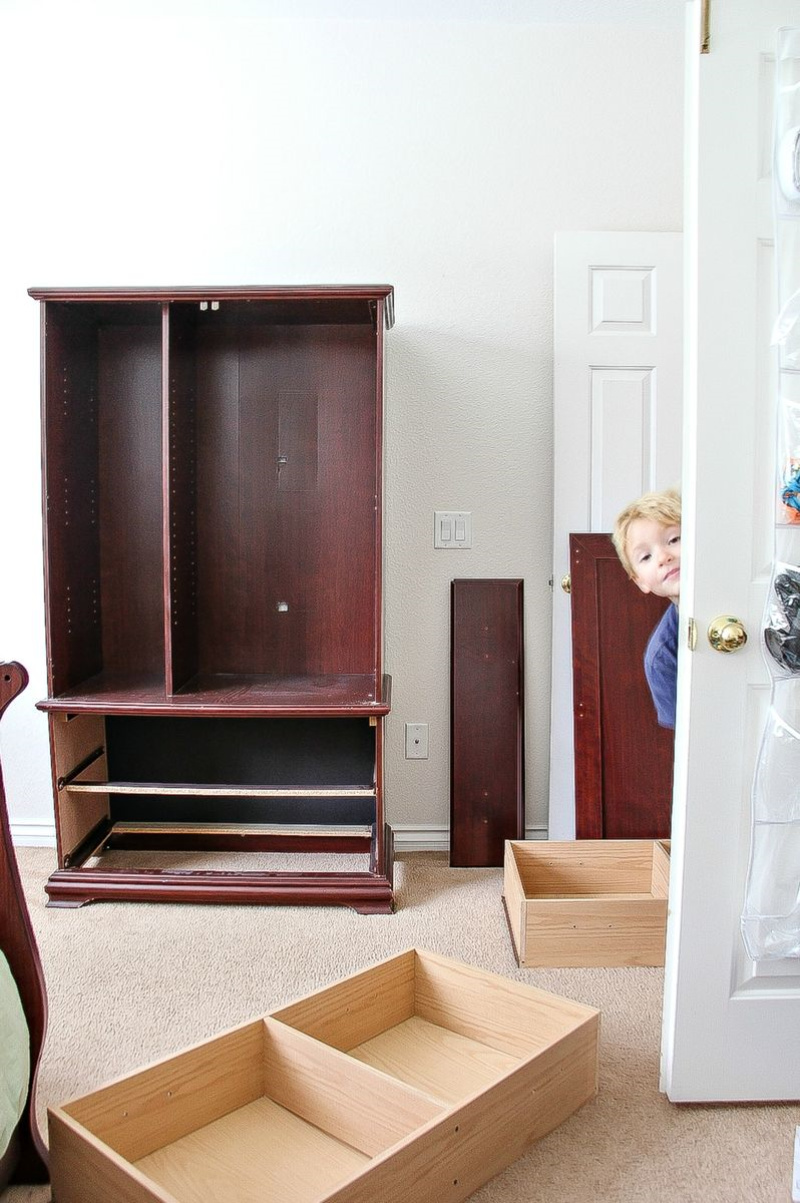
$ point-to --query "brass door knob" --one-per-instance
(726, 634)
(566, 583)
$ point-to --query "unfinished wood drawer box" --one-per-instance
(587, 902)
(417, 1079)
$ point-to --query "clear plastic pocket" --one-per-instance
(770, 920)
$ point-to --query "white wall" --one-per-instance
(436, 155)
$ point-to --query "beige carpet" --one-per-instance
(129, 983)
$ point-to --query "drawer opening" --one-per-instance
(249, 771)
(250, 850)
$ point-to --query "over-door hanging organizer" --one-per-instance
(771, 913)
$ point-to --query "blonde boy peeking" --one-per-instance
(647, 536)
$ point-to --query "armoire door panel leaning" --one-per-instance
(623, 759)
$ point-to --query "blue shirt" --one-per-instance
(661, 666)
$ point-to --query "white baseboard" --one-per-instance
(421, 838)
(437, 839)
(33, 835)
(407, 838)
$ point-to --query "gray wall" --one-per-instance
(438, 155)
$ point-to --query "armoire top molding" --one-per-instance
(311, 292)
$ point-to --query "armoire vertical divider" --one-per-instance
(213, 575)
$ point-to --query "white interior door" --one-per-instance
(618, 338)
(731, 1026)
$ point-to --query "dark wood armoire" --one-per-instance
(213, 563)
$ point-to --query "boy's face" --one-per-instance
(655, 554)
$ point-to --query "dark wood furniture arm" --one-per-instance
(26, 1158)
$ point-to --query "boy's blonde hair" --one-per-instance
(664, 508)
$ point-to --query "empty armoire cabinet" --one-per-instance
(213, 552)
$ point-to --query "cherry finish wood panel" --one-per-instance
(237, 696)
(286, 460)
(129, 506)
(26, 1158)
(70, 498)
(623, 758)
(368, 893)
(487, 800)
(102, 455)
(180, 500)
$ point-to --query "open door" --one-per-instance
(731, 1025)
